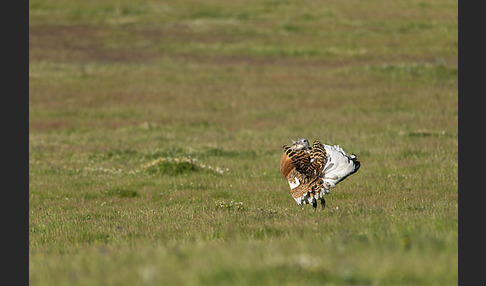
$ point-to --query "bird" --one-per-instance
(312, 171)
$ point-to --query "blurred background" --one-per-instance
(147, 118)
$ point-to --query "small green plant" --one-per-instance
(122, 193)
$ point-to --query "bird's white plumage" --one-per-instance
(338, 166)
(294, 184)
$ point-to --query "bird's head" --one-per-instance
(300, 144)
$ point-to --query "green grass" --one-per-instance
(155, 133)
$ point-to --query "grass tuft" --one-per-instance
(172, 166)
(122, 193)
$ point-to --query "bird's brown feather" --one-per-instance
(304, 166)
(285, 165)
(318, 158)
(300, 159)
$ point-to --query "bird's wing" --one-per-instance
(339, 165)
(318, 158)
(300, 159)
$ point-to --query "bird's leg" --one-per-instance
(314, 204)
(323, 203)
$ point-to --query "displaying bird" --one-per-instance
(312, 171)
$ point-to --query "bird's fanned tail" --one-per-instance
(338, 166)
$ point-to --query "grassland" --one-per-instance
(155, 132)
